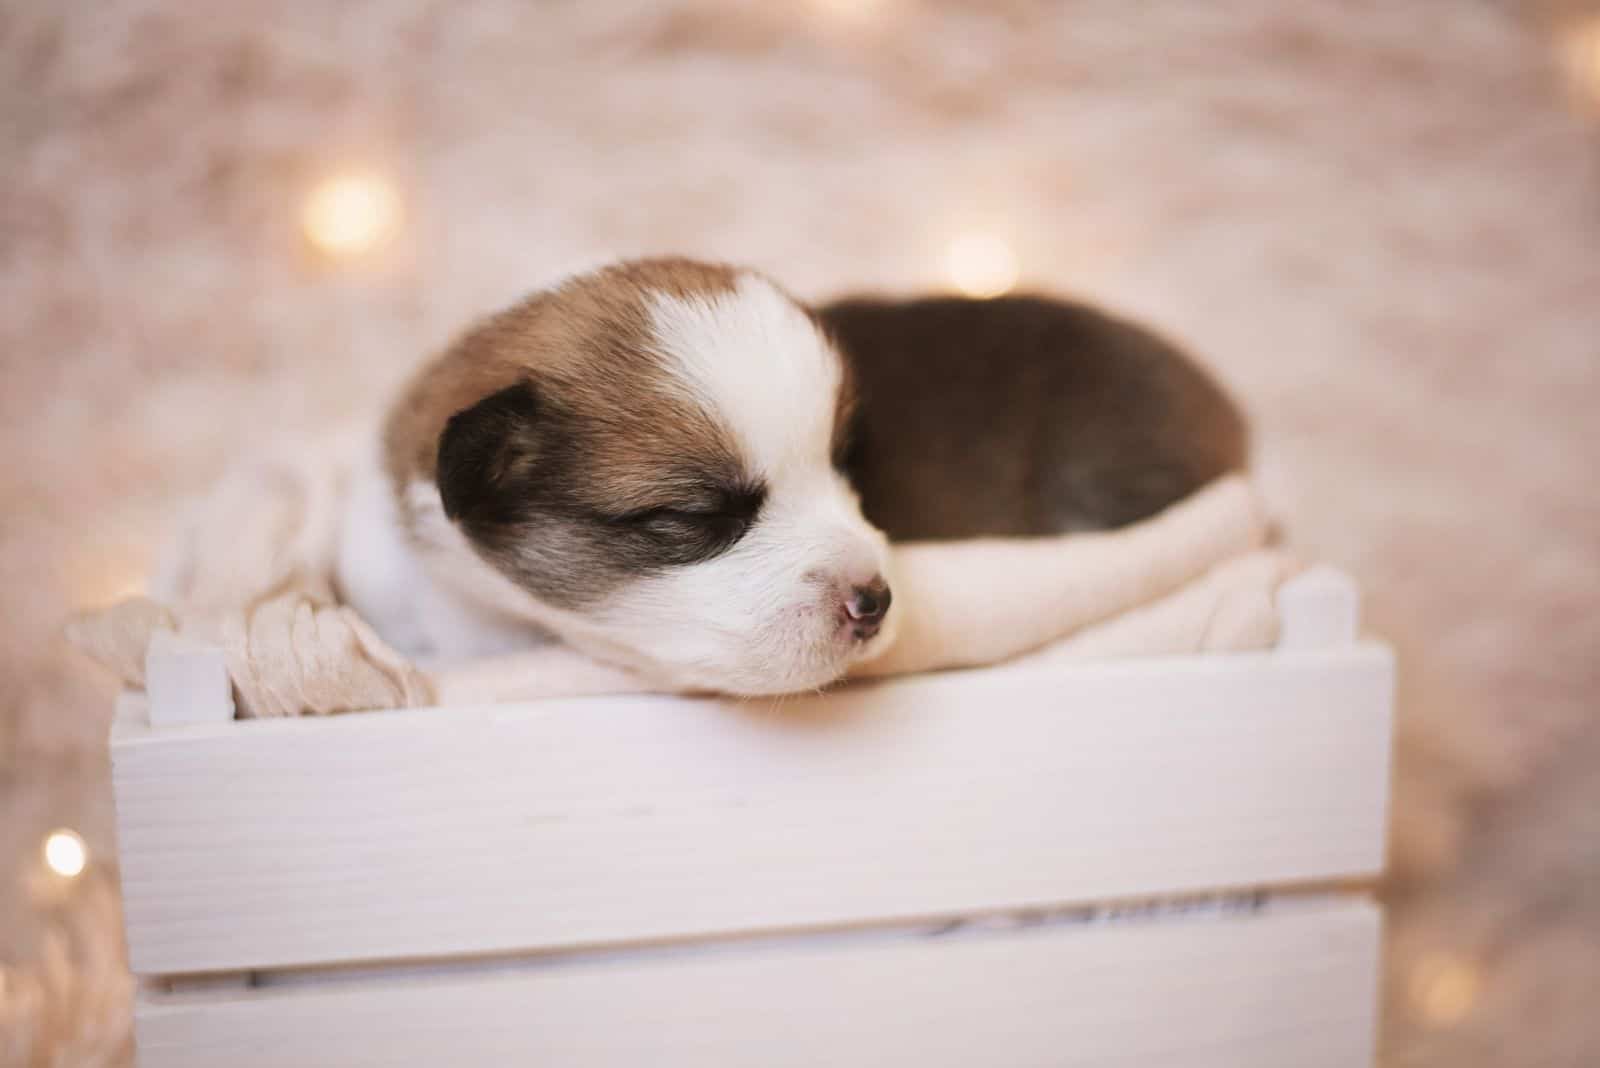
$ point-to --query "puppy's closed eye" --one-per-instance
(690, 526)
(688, 533)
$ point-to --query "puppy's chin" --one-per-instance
(764, 677)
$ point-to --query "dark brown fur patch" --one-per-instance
(1023, 416)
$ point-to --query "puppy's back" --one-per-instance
(1023, 416)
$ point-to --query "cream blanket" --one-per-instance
(252, 573)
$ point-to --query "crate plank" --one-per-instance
(1261, 992)
(568, 823)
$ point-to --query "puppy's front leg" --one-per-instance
(970, 603)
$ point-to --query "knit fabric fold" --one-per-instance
(251, 571)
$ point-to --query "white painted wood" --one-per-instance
(1318, 609)
(131, 711)
(1264, 992)
(186, 681)
(431, 833)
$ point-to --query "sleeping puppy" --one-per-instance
(678, 470)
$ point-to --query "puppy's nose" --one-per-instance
(867, 605)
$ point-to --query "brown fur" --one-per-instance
(562, 446)
(1023, 416)
(592, 330)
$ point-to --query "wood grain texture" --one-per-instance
(1260, 992)
(454, 832)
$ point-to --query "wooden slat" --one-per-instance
(443, 833)
(1318, 609)
(1264, 992)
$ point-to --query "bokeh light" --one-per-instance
(1444, 989)
(981, 265)
(347, 215)
(850, 10)
(1580, 49)
(65, 853)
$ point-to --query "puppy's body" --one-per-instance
(676, 468)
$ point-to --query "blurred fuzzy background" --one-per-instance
(1379, 221)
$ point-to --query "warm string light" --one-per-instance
(851, 10)
(1444, 989)
(1580, 48)
(981, 264)
(65, 853)
(103, 577)
(347, 215)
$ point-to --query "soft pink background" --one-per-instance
(1380, 221)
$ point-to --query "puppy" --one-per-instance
(677, 469)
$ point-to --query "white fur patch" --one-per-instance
(755, 360)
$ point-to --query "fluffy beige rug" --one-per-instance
(1380, 221)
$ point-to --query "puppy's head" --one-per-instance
(645, 461)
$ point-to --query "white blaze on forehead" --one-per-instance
(758, 364)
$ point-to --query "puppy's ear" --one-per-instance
(487, 455)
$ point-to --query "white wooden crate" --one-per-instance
(662, 881)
